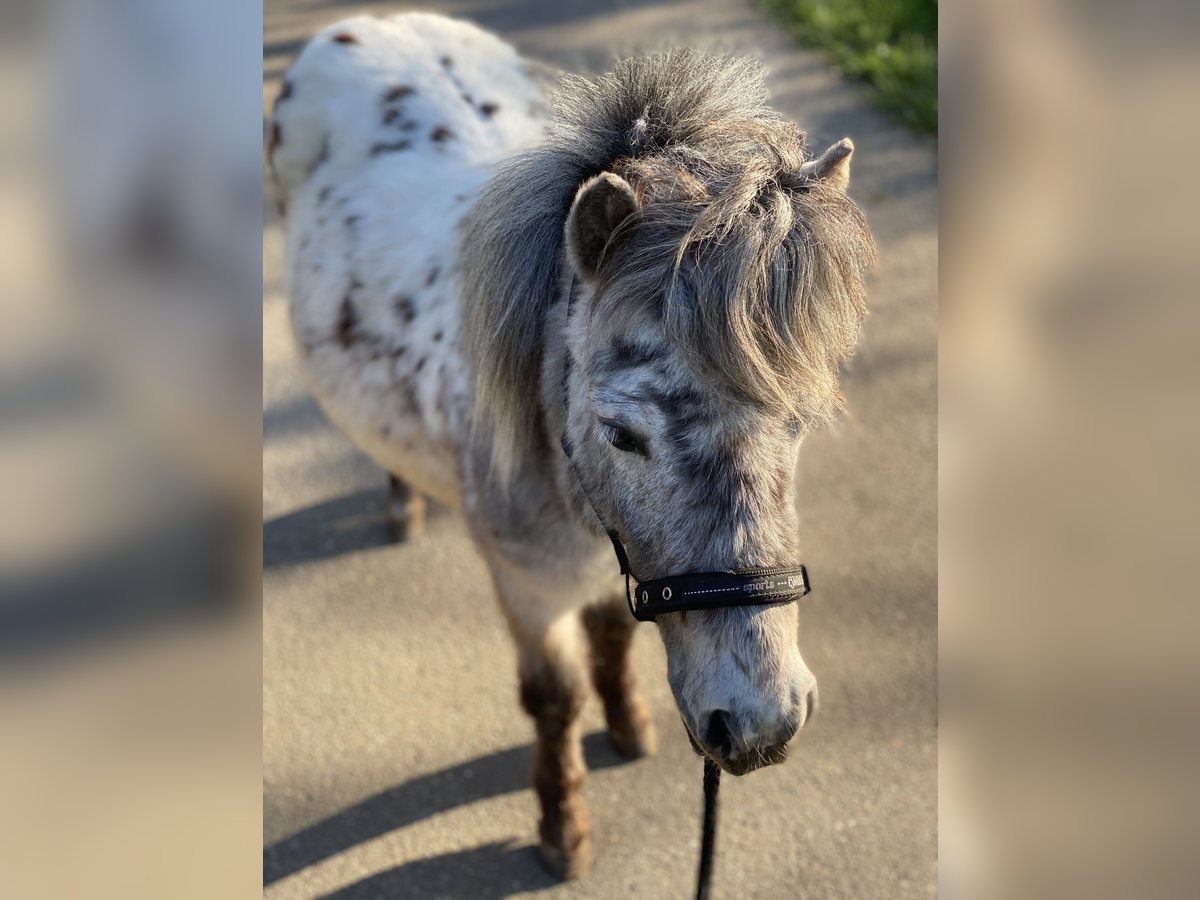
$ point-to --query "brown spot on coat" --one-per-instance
(437, 336)
(347, 324)
(322, 157)
(394, 147)
(405, 309)
(420, 364)
(446, 62)
(441, 134)
(344, 37)
(276, 138)
(433, 275)
(398, 92)
(489, 108)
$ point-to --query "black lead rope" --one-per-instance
(712, 782)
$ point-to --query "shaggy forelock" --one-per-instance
(757, 270)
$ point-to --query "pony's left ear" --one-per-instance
(832, 166)
(601, 204)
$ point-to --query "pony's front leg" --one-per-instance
(553, 690)
(610, 633)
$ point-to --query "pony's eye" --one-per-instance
(622, 438)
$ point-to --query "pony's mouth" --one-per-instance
(741, 762)
(756, 758)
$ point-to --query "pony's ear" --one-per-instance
(601, 204)
(832, 166)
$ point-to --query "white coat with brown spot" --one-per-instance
(383, 133)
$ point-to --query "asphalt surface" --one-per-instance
(396, 757)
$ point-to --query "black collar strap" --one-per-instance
(709, 590)
(716, 590)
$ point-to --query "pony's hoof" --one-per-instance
(406, 527)
(405, 512)
(567, 863)
(634, 738)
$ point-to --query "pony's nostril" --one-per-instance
(717, 735)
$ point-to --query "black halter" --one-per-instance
(707, 590)
(698, 590)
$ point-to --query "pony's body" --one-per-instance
(628, 328)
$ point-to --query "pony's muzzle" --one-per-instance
(739, 748)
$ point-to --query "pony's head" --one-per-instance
(713, 280)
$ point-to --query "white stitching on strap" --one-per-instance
(782, 593)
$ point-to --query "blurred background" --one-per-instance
(138, 757)
(1068, 443)
(130, 365)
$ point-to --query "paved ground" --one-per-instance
(395, 754)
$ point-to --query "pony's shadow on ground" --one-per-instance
(325, 530)
(493, 870)
(341, 525)
(486, 873)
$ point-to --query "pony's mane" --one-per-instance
(758, 268)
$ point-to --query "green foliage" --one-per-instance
(889, 44)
